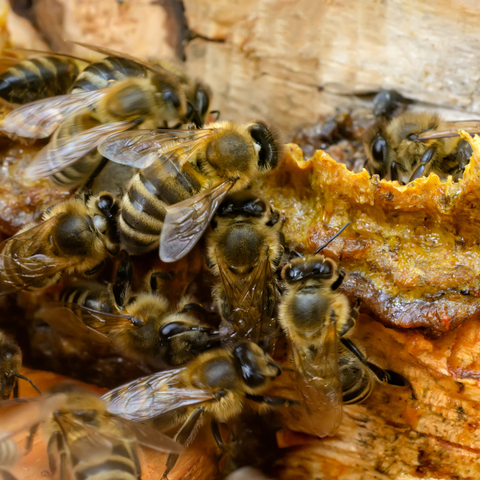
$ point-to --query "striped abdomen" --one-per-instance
(95, 298)
(111, 69)
(356, 379)
(38, 78)
(9, 455)
(79, 172)
(143, 207)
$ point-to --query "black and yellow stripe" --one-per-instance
(39, 78)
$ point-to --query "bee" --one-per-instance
(314, 315)
(244, 248)
(218, 383)
(185, 176)
(415, 144)
(143, 326)
(74, 236)
(9, 456)
(10, 364)
(113, 95)
(38, 78)
(84, 440)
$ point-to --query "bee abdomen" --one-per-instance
(79, 172)
(110, 69)
(357, 382)
(144, 206)
(84, 297)
(117, 467)
(8, 453)
(38, 78)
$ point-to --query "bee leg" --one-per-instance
(30, 438)
(386, 376)
(57, 445)
(123, 279)
(15, 388)
(218, 436)
(426, 159)
(275, 402)
(94, 270)
(182, 437)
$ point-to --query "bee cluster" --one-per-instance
(184, 177)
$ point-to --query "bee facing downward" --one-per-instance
(244, 248)
(314, 314)
(76, 235)
(219, 383)
(186, 175)
(142, 326)
(412, 145)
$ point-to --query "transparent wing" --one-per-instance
(151, 396)
(152, 438)
(247, 298)
(19, 415)
(64, 320)
(114, 53)
(58, 155)
(451, 129)
(318, 383)
(140, 148)
(31, 52)
(185, 222)
(23, 260)
(41, 118)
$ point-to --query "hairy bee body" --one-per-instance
(39, 78)
(221, 152)
(75, 235)
(244, 249)
(395, 151)
(10, 364)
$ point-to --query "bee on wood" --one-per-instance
(218, 383)
(244, 248)
(40, 77)
(84, 440)
(10, 364)
(412, 145)
(76, 235)
(142, 326)
(116, 94)
(314, 315)
(184, 177)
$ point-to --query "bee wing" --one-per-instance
(151, 396)
(64, 320)
(89, 442)
(140, 148)
(25, 262)
(318, 382)
(151, 438)
(114, 53)
(54, 157)
(185, 222)
(451, 129)
(41, 118)
(247, 298)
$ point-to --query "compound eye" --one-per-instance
(268, 154)
(105, 203)
(290, 274)
(379, 148)
(321, 269)
(203, 101)
(173, 328)
(171, 97)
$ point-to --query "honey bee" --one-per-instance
(244, 248)
(142, 326)
(314, 315)
(9, 456)
(74, 236)
(185, 176)
(40, 77)
(110, 96)
(10, 364)
(218, 383)
(84, 440)
(415, 144)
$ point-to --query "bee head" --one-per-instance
(318, 268)
(243, 203)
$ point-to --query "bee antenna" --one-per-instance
(29, 381)
(331, 239)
